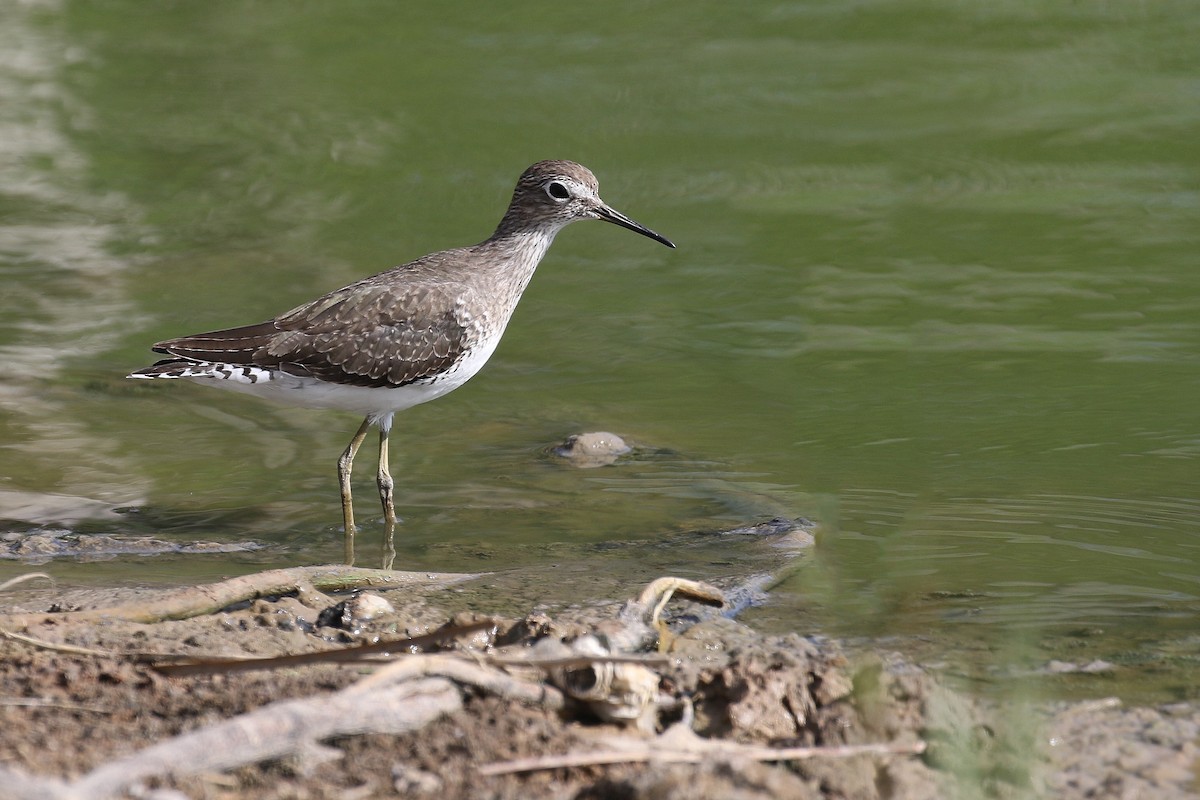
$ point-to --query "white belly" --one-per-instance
(307, 392)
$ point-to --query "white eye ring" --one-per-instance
(558, 191)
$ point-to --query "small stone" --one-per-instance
(410, 780)
(364, 607)
(351, 613)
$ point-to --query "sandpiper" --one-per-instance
(402, 337)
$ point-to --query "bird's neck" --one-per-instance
(513, 255)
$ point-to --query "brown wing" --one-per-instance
(367, 334)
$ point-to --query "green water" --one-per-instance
(937, 288)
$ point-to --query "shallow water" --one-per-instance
(936, 289)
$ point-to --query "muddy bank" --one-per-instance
(595, 701)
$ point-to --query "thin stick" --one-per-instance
(61, 648)
(41, 702)
(28, 576)
(396, 647)
(650, 753)
(569, 662)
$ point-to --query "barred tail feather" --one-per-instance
(213, 370)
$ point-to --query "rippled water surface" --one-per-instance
(937, 288)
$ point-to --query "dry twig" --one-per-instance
(641, 752)
(57, 646)
(28, 576)
(356, 653)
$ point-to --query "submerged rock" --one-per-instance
(40, 546)
(595, 449)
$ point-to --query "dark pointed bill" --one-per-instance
(617, 218)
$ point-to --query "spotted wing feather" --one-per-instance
(367, 334)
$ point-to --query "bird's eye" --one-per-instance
(558, 190)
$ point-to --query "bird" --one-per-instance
(401, 337)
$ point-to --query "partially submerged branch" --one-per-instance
(209, 598)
